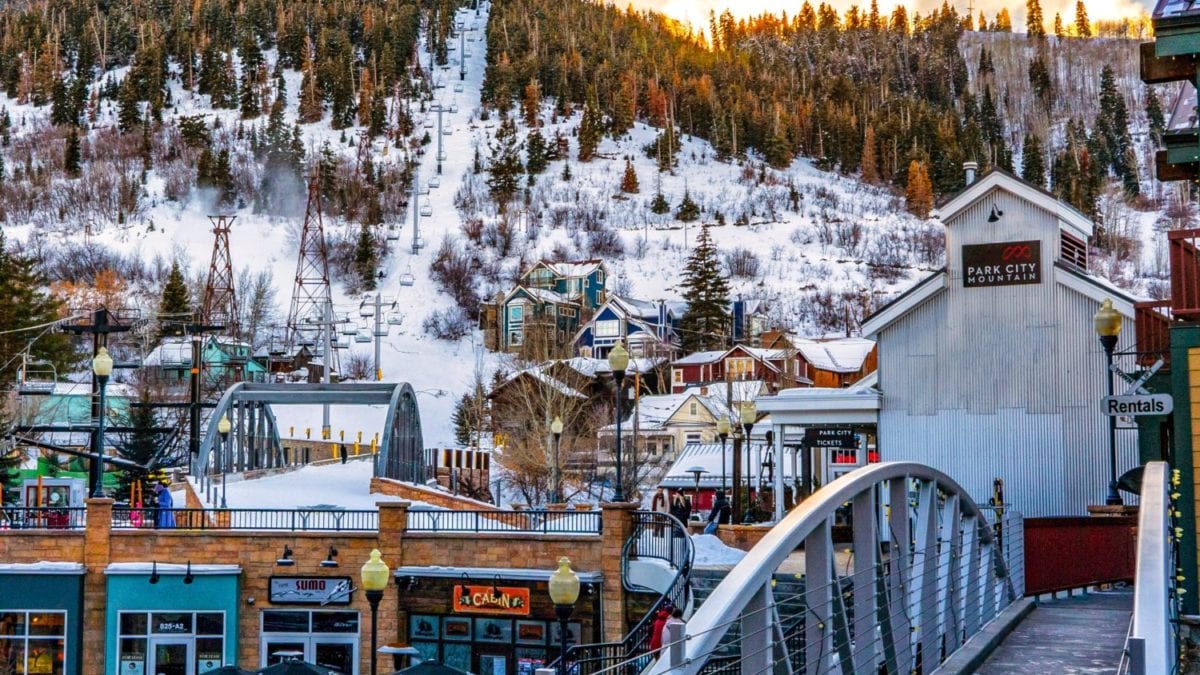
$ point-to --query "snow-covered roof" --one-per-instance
(593, 367)
(843, 355)
(699, 357)
(707, 456)
(653, 411)
(575, 268)
(112, 389)
(170, 568)
(43, 567)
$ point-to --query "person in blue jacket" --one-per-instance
(165, 517)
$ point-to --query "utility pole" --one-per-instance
(462, 54)
(326, 431)
(103, 323)
(416, 206)
(196, 331)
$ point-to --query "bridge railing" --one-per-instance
(925, 571)
(1152, 644)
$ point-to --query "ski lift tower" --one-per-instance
(310, 319)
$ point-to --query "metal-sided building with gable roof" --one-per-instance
(991, 367)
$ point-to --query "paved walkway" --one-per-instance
(1080, 634)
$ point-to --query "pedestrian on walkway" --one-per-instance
(719, 514)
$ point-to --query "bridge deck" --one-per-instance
(1079, 634)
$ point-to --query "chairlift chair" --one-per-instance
(447, 130)
(382, 331)
(342, 343)
(435, 182)
(423, 189)
(393, 234)
(426, 209)
(458, 87)
(36, 379)
(428, 124)
(395, 319)
(362, 337)
(349, 329)
(366, 310)
(406, 279)
(454, 107)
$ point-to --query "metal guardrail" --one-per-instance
(514, 522)
(925, 572)
(290, 520)
(42, 518)
(657, 536)
(1152, 646)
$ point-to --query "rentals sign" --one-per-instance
(1008, 264)
(1150, 404)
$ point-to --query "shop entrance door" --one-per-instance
(171, 657)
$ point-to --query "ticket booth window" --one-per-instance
(171, 643)
(33, 643)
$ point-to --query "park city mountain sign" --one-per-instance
(1008, 264)
(1149, 404)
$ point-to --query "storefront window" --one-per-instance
(171, 643)
(326, 638)
(487, 645)
(33, 643)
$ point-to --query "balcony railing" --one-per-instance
(291, 520)
(1152, 320)
(1185, 273)
(44, 518)
(515, 522)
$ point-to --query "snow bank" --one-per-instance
(345, 486)
(712, 552)
(43, 567)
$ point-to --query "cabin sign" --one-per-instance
(1009, 263)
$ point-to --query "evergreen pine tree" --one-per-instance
(591, 128)
(129, 113)
(566, 172)
(25, 304)
(366, 258)
(142, 445)
(705, 323)
(311, 99)
(629, 182)
(688, 210)
(462, 421)
(505, 167)
(1154, 115)
(1033, 161)
(535, 152)
(531, 104)
(1039, 79)
(1083, 27)
(1034, 25)
(659, 205)
(1059, 31)
(72, 156)
(175, 303)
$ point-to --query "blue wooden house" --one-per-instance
(226, 360)
(647, 328)
(552, 298)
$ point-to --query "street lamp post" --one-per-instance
(1108, 326)
(223, 428)
(564, 592)
(723, 434)
(374, 577)
(102, 366)
(618, 361)
(556, 428)
(749, 417)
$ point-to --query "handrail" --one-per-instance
(950, 576)
(669, 541)
(291, 520)
(515, 522)
(1152, 645)
(42, 518)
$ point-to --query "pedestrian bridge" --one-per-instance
(928, 583)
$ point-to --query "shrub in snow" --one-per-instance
(605, 243)
(448, 323)
(454, 272)
(742, 263)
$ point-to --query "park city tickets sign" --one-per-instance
(1008, 264)
(491, 600)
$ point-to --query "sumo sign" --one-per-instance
(1155, 404)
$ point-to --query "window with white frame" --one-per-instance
(739, 367)
(150, 641)
(516, 313)
(677, 375)
(608, 328)
(33, 642)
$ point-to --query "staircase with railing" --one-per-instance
(658, 540)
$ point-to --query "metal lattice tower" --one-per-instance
(220, 297)
(312, 302)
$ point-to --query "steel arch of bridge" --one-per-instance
(255, 437)
(928, 571)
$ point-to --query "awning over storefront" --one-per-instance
(824, 406)
(489, 573)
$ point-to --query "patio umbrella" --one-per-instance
(430, 668)
(227, 670)
(297, 668)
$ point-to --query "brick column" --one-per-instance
(96, 554)
(617, 524)
(393, 522)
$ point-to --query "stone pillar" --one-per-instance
(617, 526)
(393, 522)
(96, 554)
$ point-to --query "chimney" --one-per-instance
(970, 168)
